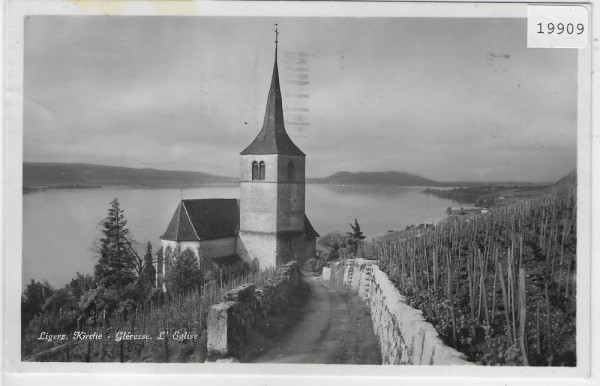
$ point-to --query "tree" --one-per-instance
(116, 264)
(356, 236)
(98, 302)
(81, 284)
(356, 233)
(184, 273)
(148, 274)
(33, 299)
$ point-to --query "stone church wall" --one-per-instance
(404, 336)
(261, 246)
(290, 207)
(258, 208)
(290, 247)
(290, 194)
(218, 247)
(299, 167)
(310, 249)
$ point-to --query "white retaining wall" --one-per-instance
(404, 336)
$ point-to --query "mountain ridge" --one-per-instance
(56, 175)
(396, 178)
(388, 178)
(39, 175)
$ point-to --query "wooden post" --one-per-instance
(506, 309)
(522, 316)
(537, 325)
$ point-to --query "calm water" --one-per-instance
(60, 226)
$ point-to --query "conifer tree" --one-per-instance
(356, 236)
(148, 274)
(356, 232)
(115, 267)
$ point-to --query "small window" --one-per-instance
(290, 171)
(254, 171)
(261, 172)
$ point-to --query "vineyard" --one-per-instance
(499, 287)
(176, 326)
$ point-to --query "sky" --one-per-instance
(447, 99)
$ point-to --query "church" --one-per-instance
(267, 226)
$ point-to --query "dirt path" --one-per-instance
(334, 326)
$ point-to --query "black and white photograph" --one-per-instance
(300, 189)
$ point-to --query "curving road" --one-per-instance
(333, 327)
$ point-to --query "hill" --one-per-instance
(568, 180)
(65, 175)
(375, 178)
(393, 178)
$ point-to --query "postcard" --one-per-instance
(298, 192)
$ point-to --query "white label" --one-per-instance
(557, 26)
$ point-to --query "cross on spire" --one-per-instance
(276, 35)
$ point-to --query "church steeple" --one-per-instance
(273, 139)
(273, 225)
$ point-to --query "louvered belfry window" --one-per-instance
(261, 172)
(254, 171)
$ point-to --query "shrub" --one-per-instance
(314, 265)
(334, 240)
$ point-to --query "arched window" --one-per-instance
(261, 170)
(254, 171)
(290, 171)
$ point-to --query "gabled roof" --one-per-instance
(273, 139)
(213, 218)
(309, 231)
(204, 219)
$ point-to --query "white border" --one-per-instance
(16, 372)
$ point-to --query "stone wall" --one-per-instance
(404, 336)
(245, 308)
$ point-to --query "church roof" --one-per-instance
(204, 219)
(273, 139)
(309, 231)
(212, 218)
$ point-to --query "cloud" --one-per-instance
(446, 98)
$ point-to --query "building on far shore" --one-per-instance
(267, 226)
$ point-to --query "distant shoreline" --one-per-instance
(32, 189)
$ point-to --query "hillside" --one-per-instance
(64, 175)
(375, 178)
(568, 180)
(393, 178)
(503, 291)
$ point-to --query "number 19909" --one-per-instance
(560, 28)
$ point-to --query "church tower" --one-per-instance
(273, 224)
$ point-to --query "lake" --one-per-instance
(60, 226)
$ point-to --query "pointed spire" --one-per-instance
(272, 138)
